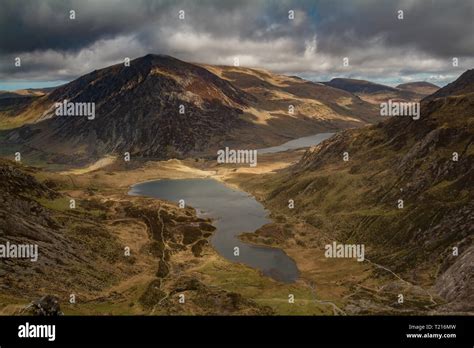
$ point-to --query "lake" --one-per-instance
(233, 212)
(297, 143)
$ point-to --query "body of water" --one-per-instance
(234, 212)
(297, 143)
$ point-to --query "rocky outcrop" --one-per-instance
(45, 306)
(201, 299)
(456, 284)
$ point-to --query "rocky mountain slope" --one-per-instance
(137, 110)
(33, 213)
(406, 192)
(376, 93)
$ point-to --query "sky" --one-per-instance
(380, 46)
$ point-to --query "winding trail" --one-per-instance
(165, 245)
(336, 310)
(403, 280)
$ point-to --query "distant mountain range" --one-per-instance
(29, 92)
(138, 110)
(376, 93)
(428, 164)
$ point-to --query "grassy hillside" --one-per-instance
(357, 201)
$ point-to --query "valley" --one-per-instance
(324, 286)
(296, 172)
(131, 247)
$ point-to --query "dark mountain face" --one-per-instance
(358, 86)
(160, 107)
(426, 163)
(137, 109)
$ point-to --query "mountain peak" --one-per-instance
(154, 56)
(161, 60)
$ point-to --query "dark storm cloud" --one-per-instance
(52, 46)
(29, 25)
(440, 28)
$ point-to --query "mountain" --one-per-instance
(359, 86)
(424, 88)
(426, 163)
(376, 93)
(8, 94)
(317, 108)
(138, 111)
(20, 93)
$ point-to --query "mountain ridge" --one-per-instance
(138, 111)
(377, 93)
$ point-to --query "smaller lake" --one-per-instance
(297, 143)
(234, 212)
